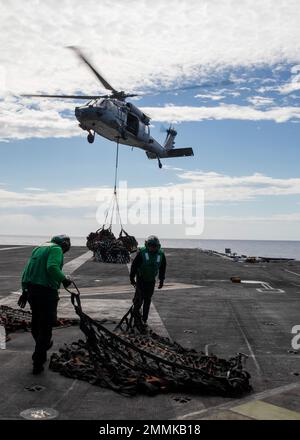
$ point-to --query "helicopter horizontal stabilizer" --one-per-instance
(180, 152)
(176, 152)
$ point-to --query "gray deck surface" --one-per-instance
(220, 316)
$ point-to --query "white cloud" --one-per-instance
(290, 217)
(171, 168)
(83, 197)
(291, 86)
(155, 41)
(221, 187)
(32, 188)
(18, 121)
(217, 188)
(258, 101)
(210, 96)
(253, 228)
(29, 224)
(273, 227)
(223, 111)
(155, 45)
(31, 211)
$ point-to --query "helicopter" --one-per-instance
(111, 117)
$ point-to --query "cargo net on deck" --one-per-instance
(109, 249)
(130, 360)
(14, 320)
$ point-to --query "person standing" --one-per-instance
(149, 262)
(41, 280)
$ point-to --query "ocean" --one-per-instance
(257, 248)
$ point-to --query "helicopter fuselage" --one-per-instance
(118, 121)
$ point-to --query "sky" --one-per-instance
(236, 64)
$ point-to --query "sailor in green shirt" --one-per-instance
(149, 263)
(41, 279)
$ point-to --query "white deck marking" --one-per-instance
(206, 349)
(265, 286)
(110, 309)
(74, 264)
(294, 273)
(125, 289)
(258, 396)
(247, 342)
(12, 247)
(260, 410)
(11, 299)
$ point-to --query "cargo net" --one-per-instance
(129, 361)
(14, 320)
(109, 249)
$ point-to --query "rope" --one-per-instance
(75, 297)
(107, 211)
(116, 170)
(114, 203)
(115, 195)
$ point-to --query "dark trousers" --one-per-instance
(43, 303)
(143, 294)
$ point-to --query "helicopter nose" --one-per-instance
(78, 113)
(83, 114)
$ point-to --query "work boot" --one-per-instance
(37, 369)
(144, 327)
(38, 358)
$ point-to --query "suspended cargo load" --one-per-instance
(112, 251)
(108, 249)
(94, 239)
(128, 241)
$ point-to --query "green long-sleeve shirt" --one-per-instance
(44, 267)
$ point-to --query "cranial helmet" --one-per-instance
(152, 240)
(63, 241)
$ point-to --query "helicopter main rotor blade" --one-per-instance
(67, 96)
(96, 73)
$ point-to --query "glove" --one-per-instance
(67, 282)
(161, 283)
(23, 299)
(132, 281)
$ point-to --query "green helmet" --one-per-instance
(152, 240)
(63, 241)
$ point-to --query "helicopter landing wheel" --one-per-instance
(90, 138)
(159, 163)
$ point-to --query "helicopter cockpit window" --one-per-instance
(110, 105)
(100, 103)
